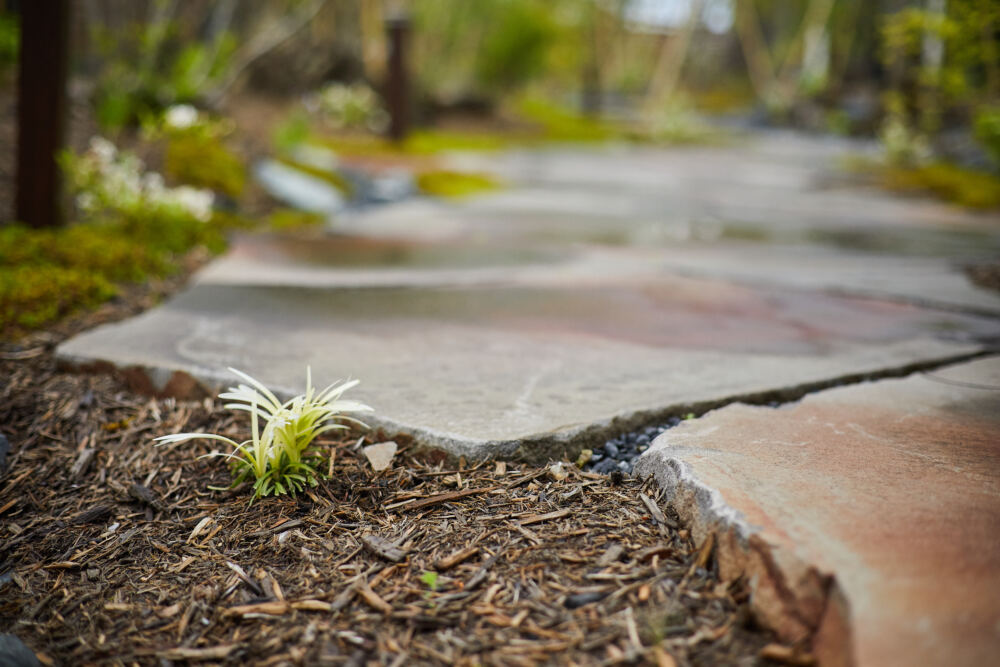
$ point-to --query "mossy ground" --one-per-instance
(971, 188)
(49, 274)
(959, 185)
(455, 184)
(46, 275)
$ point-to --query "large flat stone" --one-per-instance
(933, 281)
(892, 488)
(774, 181)
(487, 369)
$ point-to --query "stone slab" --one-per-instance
(892, 488)
(772, 180)
(937, 282)
(490, 369)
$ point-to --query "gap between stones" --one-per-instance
(620, 453)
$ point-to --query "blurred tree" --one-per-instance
(148, 54)
(778, 80)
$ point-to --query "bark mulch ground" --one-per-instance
(113, 551)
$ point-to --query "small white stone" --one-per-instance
(381, 454)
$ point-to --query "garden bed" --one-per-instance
(116, 551)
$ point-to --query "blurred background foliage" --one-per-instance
(268, 77)
(922, 75)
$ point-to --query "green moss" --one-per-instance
(32, 296)
(445, 183)
(419, 143)
(204, 162)
(47, 274)
(965, 187)
(559, 124)
(334, 178)
(95, 249)
(291, 219)
(429, 142)
(292, 132)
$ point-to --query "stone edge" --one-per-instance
(799, 602)
(197, 383)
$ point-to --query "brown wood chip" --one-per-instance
(208, 653)
(82, 462)
(454, 559)
(612, 555)
(272, 608)
(443, 498)
(655, 550)
(538, 518)
(656, 512)
(144, 495)
(383, 548)
(787, 655)
(95, 514)
(373, 600)
(706, 551)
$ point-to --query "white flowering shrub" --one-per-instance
(106, 180)
(354, 106)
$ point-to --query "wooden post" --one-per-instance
(42, 111)
(397, 94)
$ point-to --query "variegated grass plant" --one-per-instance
(279, 457)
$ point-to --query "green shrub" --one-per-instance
(204, 162)
(559, 124)
(149, 67)
(291, 132)
(987, 129)
(135, 228)
(515, 47)
(10, 40)
(352, 106)
(966, 187)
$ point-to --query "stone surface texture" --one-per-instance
(487, 371)
(871, 512)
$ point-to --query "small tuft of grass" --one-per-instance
(280, 457)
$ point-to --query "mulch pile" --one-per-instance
(113, 551)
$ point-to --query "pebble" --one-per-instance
(14, 653)
(4, 449)
(620, 454)
(579, 599)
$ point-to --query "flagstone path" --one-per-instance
(610, 288)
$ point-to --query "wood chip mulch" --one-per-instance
(113, 551)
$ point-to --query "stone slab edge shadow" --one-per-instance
(194, 383)
(791, 597)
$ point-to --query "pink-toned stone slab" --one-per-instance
(492, 370)
(891, 487)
